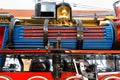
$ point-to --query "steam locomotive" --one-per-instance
(54, 46)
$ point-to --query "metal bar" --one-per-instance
(23, 51)
(93, 14)
(60, 51)
(95, 51)
(77, 72)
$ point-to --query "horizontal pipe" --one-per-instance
(93, 31)
(93, 37)
(30, 31)
(62, 30)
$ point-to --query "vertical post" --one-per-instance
(57, 69)
(63, 1)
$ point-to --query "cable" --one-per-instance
(84, 6)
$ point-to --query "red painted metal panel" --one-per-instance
(118, 11)
(68, 74)
(118, 30)
(2, 28)
(117, 23)
(48, 75)
(27, 75)
(109, 76)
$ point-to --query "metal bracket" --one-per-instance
(79, 34)
(77, 73)
(46, 32)
(10, 32)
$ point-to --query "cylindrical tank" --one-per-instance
(93, 37)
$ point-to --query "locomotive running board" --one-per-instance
(60, 51)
